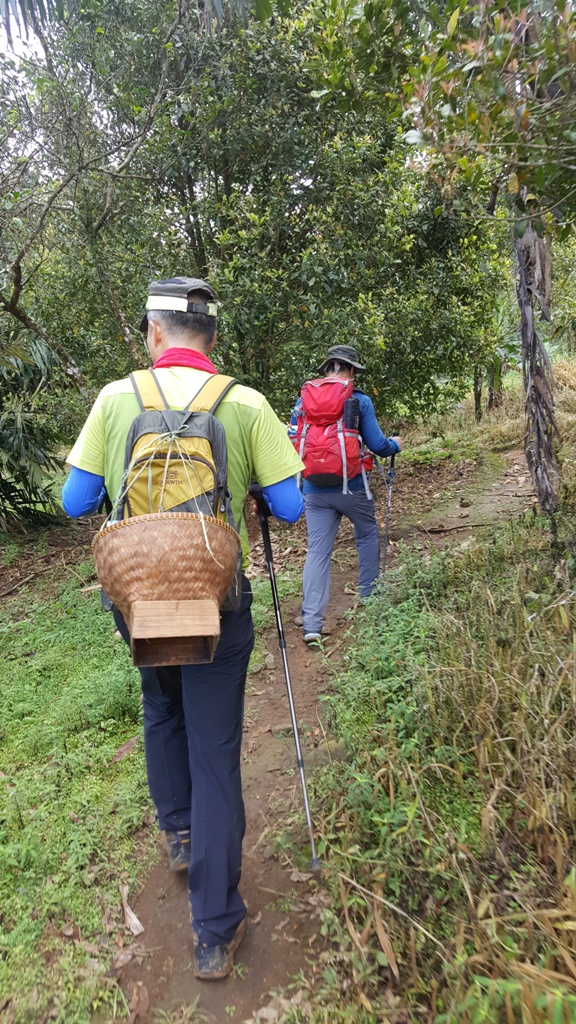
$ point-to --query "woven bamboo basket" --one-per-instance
(168, 574)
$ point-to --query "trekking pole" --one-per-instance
(388, 507)
(255, 492)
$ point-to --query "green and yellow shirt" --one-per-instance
(258, 445)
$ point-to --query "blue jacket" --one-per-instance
(371, 436)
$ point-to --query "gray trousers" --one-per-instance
(323, 514)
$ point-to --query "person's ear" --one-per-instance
(211, 345)
(154, 337)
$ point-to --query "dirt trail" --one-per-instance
(435, 503)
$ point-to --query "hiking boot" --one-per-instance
(313, 639)
(214, 962)
(177, 846)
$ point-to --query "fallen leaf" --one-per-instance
(124, 750)
(385, 942)
(131, 921)
(351, 929)
(268, 1013)
(260, 732)
(122, 958)
(139, 1003)
(109, 922)
(365, 1002)
(89, 947)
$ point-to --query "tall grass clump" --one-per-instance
(452, 838)
(457, 434)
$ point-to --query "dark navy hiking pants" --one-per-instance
(193, 718)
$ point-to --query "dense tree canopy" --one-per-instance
(489, 91)
(138, 145)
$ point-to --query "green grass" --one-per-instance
(457, 434)
(288, 585)
(9, 549)
(456, 802)
(69, 814)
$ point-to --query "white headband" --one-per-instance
(172, 304)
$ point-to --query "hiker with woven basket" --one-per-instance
(176, 448)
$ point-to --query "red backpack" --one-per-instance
(329, 450)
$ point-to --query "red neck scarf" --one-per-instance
(185, 357)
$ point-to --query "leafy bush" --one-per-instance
(29, 439)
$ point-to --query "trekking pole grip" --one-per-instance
(255, 492)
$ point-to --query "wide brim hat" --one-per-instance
(342, 354)
(172, 296)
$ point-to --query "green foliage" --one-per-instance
(68, 701)
(457, 710)
(217, 159)
(499, 95)
(30, 13)
(29, 439)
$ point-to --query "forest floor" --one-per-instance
(438, 504)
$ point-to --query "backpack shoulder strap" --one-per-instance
(148, 391)
(211, 393)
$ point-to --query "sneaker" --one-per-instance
(177, 846)
(214, 962)
(313, 639)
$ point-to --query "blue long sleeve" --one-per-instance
(284, 500)
(370, 431)
(82, 493)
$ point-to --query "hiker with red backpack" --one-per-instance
(193, 713)
(333, 429)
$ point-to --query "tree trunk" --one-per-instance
(541, 429)
(495, 384)
(478, 374)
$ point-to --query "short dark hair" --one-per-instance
(331, 366)
(199, 325)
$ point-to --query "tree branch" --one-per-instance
(27, 321)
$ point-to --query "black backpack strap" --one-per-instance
(106, 503)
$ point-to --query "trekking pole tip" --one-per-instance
(315, 864)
